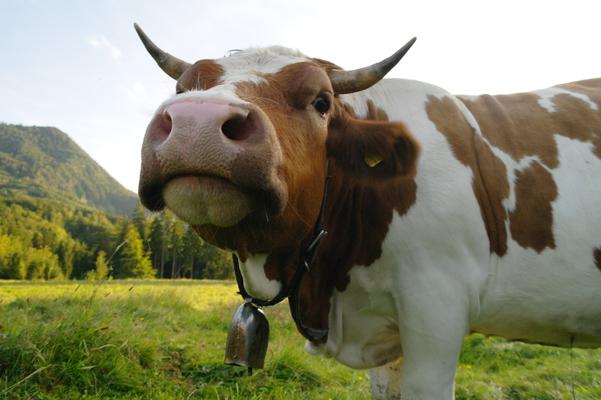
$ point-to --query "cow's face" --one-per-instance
(240, 151)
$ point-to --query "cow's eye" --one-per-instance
(321, 104)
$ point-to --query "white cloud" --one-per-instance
(101, 42)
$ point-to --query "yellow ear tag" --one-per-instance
(372, 160)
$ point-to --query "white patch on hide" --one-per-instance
(255, 282)
(547, 95)
(248, 65)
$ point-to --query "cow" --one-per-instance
(445, 214)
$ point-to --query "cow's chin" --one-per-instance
(201, 200)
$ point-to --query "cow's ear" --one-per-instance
(372, 149)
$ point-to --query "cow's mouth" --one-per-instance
(206, 199)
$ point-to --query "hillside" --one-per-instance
(63, 217)
(43, 162)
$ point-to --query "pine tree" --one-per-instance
(42, 264)
(142, 223)
(66, 255)
(12, 263)
(191, 252)
(157, 244)
(218, 263)
(177, 246)
(101, 268)
(168, 222)
(134, 262)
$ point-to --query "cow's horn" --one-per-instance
(362, 78)
(172, 66)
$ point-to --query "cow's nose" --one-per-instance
(236, 123)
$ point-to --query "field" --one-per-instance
(165, 340)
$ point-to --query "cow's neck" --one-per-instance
(357, 217)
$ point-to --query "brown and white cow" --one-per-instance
(446, 214)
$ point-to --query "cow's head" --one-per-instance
(240, 151)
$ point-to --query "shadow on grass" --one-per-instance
(216, 373)
(286, 377)
(284, 369)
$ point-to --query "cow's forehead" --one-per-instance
(251, 64)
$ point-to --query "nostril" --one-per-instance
(238, 128)
(160, 127)
(233, 128)
(166, 124)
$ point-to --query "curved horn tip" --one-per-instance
(139, 30)
(171, 65)
(403, 50)
(410, 43)
(148, 44)
(360, 79)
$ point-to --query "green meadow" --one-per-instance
(165, 340)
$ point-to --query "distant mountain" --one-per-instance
(45, 163)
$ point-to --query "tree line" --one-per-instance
(46, 239)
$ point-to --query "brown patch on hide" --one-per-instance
(202, 75)
(281, 261)
(404, 193)
(531, 222)
(351, 141)
(375, 113)
(489, 181)
(519, 126)
(597, 257)
(516, 124)
(592, 89)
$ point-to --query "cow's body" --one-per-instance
(438, 277)
(497, 230)
(550, 243)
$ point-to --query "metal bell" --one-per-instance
(247, 337)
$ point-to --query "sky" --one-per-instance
(79, 66)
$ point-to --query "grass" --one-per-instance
(165, 340)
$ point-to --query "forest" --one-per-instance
(63, 217)
(44, 240)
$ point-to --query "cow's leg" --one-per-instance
(432, 329)
(429, 369)
(386, 381)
